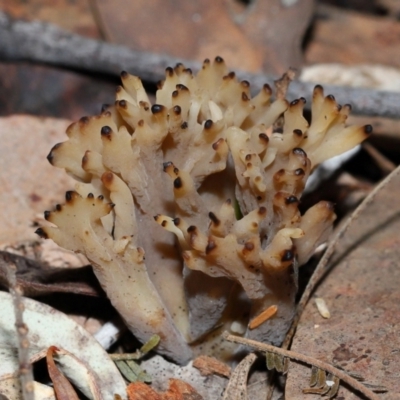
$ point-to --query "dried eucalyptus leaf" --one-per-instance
(48, 326)
(237, 386)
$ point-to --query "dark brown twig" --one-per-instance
(45, 43)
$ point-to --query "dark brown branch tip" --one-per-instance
(331, 97)
(287, 255)
(249, 246)
(176, 221)
(217, 144)
(219, 59)
(84, 120)
(107, 177)
(69, 196)
(177, 110)
(318, 88)
(262, 211)
(178, 183)
(298, 132)
(368, 129)
(100, 197)
(245, 84)
(264, 137)
(104, 108)
(105, 131)
(191, 229)
(299, 172)
(214, 218)
(348, 106)
(166, 165)
(179, 86)
(47, 215)
(300, 152)
(157, 108)
(124, 75)
(50, 156)
(210, 246)
(90, 196)
(169, 71)
(175, 93)
(41, 233)
(291, 200)
(294, 103)
(245, 97)
(123, 104)
(208, 124)
(58, 207)
(188, 71)
(206, 61)
(184, 125)
(267, 89)
(178, 65)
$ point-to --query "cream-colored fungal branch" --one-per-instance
(188, 208)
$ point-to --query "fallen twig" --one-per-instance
(41, 42)
(25, 367)
(307, 360)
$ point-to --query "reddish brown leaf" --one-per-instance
(62, 387)
(177, 390)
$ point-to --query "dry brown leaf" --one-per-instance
(210, 365)
(177, 390)
(362, 295)
(62, 386)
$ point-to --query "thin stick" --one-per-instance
(305, 359)
(25, 367)
(41, 42)
(323, 267)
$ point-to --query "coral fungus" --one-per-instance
(188, 208)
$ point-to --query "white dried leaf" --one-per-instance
(10, 389)
(49, 327)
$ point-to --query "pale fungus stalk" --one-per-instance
(188, 208)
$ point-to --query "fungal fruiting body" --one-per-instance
(188, 208)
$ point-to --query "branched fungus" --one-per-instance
(188, 208)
